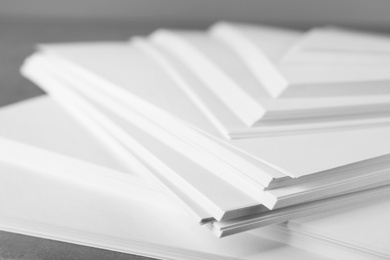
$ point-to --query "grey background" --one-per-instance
(360, 12)
(24, 23)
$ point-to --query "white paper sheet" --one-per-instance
(357, 231)
(37, 204)
(230, 125)
(58, 131)
(343, 39)
(302, 79)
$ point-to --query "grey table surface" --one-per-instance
(18, 39)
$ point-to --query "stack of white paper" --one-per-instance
(92, 198)
(216, 189)
(360, 231)
(243, 125)
(245, 65)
